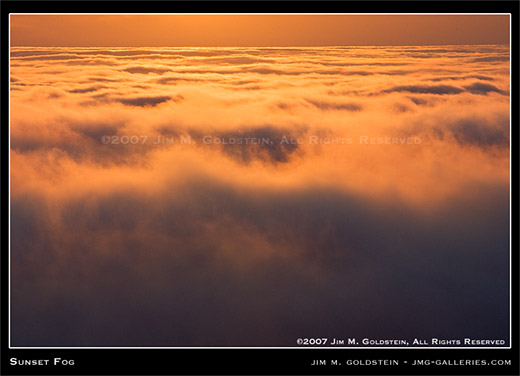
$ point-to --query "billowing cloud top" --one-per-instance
(252, 196)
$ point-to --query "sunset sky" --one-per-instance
(354, 184)
(256, 30)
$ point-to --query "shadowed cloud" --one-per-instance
(313, 242)
(491, 59)
(323, 105)
(89, 89)
(475, 132)
(270, 144)
(456, 78)
(483, 89)
(146, 70)
(418, 89)
(148, 101)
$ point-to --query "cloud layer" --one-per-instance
(253, 196)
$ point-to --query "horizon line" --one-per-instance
(259, 46)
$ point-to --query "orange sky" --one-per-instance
(256, 30)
